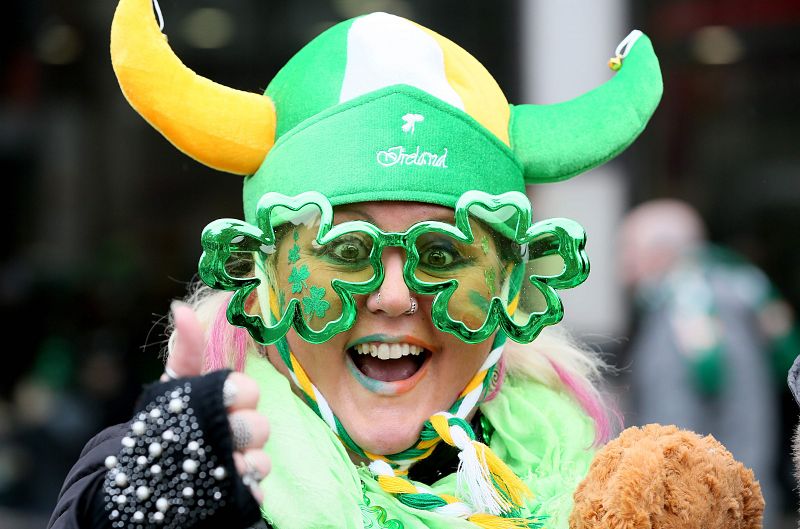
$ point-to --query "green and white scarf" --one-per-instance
(540, 432)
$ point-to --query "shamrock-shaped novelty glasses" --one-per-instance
(491, 268)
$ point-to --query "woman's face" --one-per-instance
(382, 402)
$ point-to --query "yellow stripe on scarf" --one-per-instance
(504, 477)
(394, 485)
(439, 423)
(512, 306)
(302, 377)
(476, 381)
(489, 521)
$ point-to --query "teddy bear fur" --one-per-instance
(660, 477)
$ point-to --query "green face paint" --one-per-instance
(282, 299)
(491, 276)
(315, 304)
(298, 278)
(479, 301)
(327, 265)
(485, 245)
(294, 254)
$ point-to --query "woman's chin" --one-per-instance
(384, 434)
(390, 442)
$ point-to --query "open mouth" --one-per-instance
(388, 368)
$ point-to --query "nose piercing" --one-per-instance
(412, 309)
(412, 302)
(414, 306)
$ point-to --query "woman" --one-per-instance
(386, 258)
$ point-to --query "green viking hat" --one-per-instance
(379, 108)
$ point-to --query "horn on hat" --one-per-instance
(223, 128)
(555, 142)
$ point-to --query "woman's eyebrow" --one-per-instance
(442, 216)
(347, 210)
(354, 210)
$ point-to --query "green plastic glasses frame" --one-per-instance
(562, 237)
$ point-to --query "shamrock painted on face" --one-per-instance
(294, 253)
(473, 268)
(298, 278)
(314, 304)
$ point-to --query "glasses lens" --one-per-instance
(543, 261)
(483, 267)
(303, 269)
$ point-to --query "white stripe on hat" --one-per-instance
(385, 50)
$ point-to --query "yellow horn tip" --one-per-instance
(223, 128)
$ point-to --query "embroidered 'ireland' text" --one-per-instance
(399, 156)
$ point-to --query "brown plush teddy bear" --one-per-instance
(660, 477)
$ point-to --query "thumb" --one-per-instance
(186, 357)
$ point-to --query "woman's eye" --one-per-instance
(438, 257)
(348, 251)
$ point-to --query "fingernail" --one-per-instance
(229, 392)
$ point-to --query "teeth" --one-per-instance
(386, 351)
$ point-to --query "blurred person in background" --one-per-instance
(712, 340)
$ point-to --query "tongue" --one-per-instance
(387, 370)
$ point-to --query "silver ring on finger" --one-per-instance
(240, 432)
(252, 477)
(171, 374)
(229, 392)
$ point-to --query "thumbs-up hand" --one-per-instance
(249, 428)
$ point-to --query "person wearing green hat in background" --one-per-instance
(377, 308)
